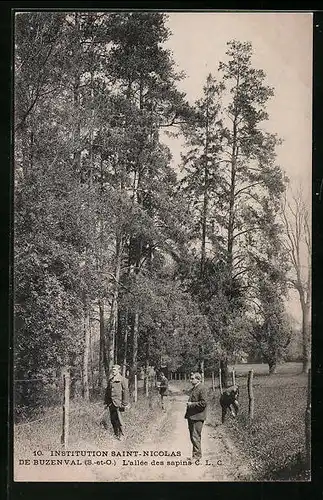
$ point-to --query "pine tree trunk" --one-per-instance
(205, 197)
(133, 369)
(147, 376)
(232, 199)
(125, 345)
(204, 219)
(102, 352)
(272, 367)
(224, 371)
(76, 97)
(85, 387)
(112, 334)
(147, 364)
(119, 338)
(202, 369)
(113, 323)
(103, 365)
(31, 151)
(135, 253)
(73, 378)
(202, 362)
(91, 358)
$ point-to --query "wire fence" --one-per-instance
(36, 399)
(51, 401)
(57, 413)
(39, 399)
(42, 398)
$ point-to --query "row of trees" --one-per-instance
(185, 264)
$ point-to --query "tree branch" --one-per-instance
(247, 187)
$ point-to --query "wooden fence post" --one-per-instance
(213, 382)
(136, 389)
(233, 377)
(308, 421)
(250, 395)
(66, 408)
(220, 381)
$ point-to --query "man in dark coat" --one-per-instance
(116, 399)
(196, 413)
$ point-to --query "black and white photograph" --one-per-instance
(162, 249)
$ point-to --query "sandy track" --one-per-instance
(221, 460)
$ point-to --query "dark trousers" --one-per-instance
(195, 429)
(116, 421)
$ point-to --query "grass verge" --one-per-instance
(85, 430)
(275, 439)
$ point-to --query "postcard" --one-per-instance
(162, 246)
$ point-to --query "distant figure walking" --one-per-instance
(116, 399)
(196, 413)
(163, 389)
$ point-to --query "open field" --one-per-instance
(276, 437)
(262, 369)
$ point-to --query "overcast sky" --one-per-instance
(282, 46)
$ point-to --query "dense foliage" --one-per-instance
(117, 257)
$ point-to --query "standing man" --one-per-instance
(196, 413)
(116, 399)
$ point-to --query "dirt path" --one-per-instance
(221, 460)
